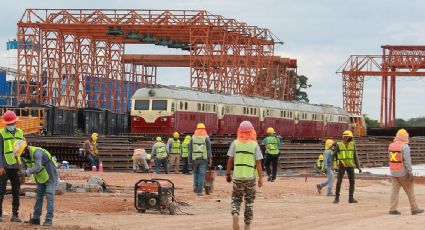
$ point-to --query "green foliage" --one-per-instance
(302, 84)
(412, 122)
(370, 122)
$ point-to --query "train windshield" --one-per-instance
(141, 105)
(159, 105)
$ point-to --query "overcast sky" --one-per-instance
(320, 34)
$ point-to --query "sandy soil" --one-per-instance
(289, 203)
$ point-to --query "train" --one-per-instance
(164, 110)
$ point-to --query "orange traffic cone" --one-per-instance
(101, 167)
(93, 168)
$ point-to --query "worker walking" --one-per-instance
(159, 151)
(347, 158)
(91, 151)
(272, 143)
(185, 155)
(9, 168)
(401, 172)
(174, 149)
(38, 162)
(140, 158)
(327, 168)
(201, 157)
(245, 158)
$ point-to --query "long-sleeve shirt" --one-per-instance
(41, 159)
(170, 144)
(154, 151)
(356, 157)
(327, 159)
(407, 162)
(3, 163)
(208, 145)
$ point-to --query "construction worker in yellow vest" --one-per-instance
(327, 167)
(318, 166)
(347, 158)
(38, 162)
(174, 150)
(272, 143)
(91, 151)
(401, 172)
(159, 152)
(245, 159)
(9, 168)
(185, 155)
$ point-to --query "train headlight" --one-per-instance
(163, 119)
(136, 118)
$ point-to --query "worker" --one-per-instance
(185, 155)
(318, 166)
(38, 162)
(140, 158)
(401, 172)
(346, 155)
(201, 157)
(159, 151)
(9, 168)
(91, 151)
(272, 143)
(245, 159)
(174, 150)
(327, 167)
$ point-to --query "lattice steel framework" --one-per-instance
(73, 58)
(395, 61)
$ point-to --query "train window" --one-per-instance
(222, 111)
(181, 105)
(199, 107)
(215, 108)
(290, 114)
(244, 110)
(282, 113)
(141, 105)
(255, 111)
(185, 106)
(252, 111)
(159, 104)
(172, 106)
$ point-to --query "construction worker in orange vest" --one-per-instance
(401, 172)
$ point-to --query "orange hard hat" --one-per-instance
(9, 117)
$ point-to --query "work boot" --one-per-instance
(33, 221)
(273, 179)
(336, 201)
(330, 194)
(48, 222)
(417, 211)
(15, 218)
(235, 221)
(395, 212)
(247, 227)
(200, 194)
(352, 201)
(269, 179)
(195, 190)
(319, 188)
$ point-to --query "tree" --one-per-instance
(370, 123)
(302, 84)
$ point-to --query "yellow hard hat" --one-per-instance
(200, 126)
(329, 143)
(187, 138)
(270, 130)
(19, 147)
(402, 132)
(176, 135)
(158, 139)
(321, 157)
(347, 133)
(94, 136)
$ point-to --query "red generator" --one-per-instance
(154, 194)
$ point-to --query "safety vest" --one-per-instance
(395, 156)
(199, 147)
(8, 141)
(271, 146)
(244, 163)
(185, 149)
(41, 176)
(346, 155)
(175, 146)
(334, 161)
(319, 163)
(161, 152)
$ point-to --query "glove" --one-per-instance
(228, 178)
(2, 171)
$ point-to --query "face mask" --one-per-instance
(11, 128)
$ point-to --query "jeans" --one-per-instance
(329, 182)
(273, 160)
(186, 165)
(93, 161)
(13, 176)
(47, 189)
(341, 172)
(159, 162)
(199, 169)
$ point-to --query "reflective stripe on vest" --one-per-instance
(41, 176)
(199, 147)
(161, 152)
(175, 146)
(271, 146)
(244, 164)
(185, 149)
(319, 164)
(346, 155)
(8, 141)
(395, 156)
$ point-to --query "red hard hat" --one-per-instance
(9, 117)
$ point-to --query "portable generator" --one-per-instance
(154, 194)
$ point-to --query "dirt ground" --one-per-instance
(288, 203)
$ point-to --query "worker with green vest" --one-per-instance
(159, 152)
(185, 155)
(327, 167)
(347, 158)
(201, 157)
(272, 143)
(318, 166)
(9, 168)
(174, 150)
(245, 158)
(38, 162)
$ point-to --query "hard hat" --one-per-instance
(321, 157)
(270, 130)
(329, 143)
(18, 147)
(176, 135)
(94, 136)
(187, 138)
(139, 151)
(402, 132)
(347, 133)
(158, 139)
(200, 126)
(9, 117)
(246, 126)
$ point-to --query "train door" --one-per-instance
(296, 121)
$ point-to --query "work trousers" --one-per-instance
(13, 176)
(329, 182)
(161, 162)
(273, 160)
(138, 161)
(93, 161)
(199, 169)
(48, 189)
(186, 165)
(408, 189)
(244, 189)
(341, 172)
(174, 159)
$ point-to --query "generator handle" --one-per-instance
(158, 179)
